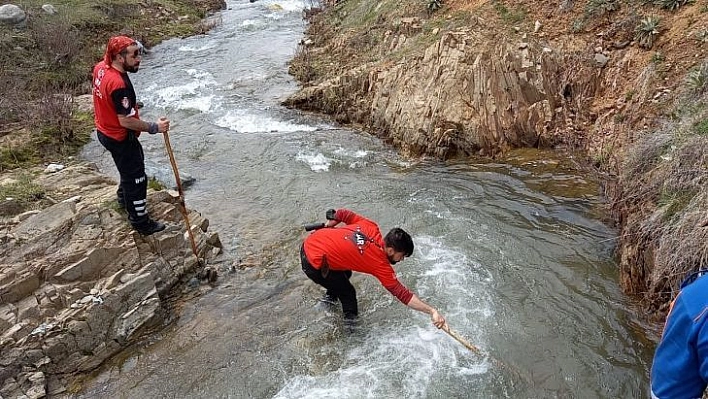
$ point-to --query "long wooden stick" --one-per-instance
(479, 352)
(182, 208)
(461, 340)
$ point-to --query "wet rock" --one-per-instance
(166, 176)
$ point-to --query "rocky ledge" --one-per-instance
(77, 284)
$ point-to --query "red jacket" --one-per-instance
(112, 94)
(357, 246)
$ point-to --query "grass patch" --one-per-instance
(674, 202)
(47, 63)
(701, 127)
(601, 7)
(509, 16)
(21, 194)
(155, 184)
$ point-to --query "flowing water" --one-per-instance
(513, 255)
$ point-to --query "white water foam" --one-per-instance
(253, 23)
(186, 96)
(245, 121)
(285, 5)
(195, 48)
(451, 271)
(358, 155)
(351, 153)
(408, 358)
(317, 161)
(393, 362)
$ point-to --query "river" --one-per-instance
(513, 254)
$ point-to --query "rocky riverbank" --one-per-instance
(77, 284)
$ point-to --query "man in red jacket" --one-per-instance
(118, 127)
(329, 256)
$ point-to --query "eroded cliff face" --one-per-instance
(469, 94)
(466, 94)
(475, 90)
(482, 77)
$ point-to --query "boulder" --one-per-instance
(11, 14)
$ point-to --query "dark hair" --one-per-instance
(400, 241)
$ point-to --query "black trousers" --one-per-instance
(130, 160)
(337, 285)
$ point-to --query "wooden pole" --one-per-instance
(461, 340)
(479, 352)
(182, 208)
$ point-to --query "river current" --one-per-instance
(514, 254)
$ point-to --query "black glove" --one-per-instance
(330, 214)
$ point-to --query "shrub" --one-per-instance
(647, 31)
(434, 5)
(673, 4)
(24, 192)
(599, 7)
(697, 78)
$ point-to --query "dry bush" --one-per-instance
(301, 65)
(56, 39)
(11, 101)
(681, 249)
(663, 183)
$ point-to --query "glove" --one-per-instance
(330, 215)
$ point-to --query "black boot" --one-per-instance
(149, 227)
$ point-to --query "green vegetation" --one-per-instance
(155, 184)
(509, 16)
(600, 7)
(647, 31)
(697, 78)
(701, 127)
(673, 4)
(48, 62)
(674, 202)
(434, 5)
(21, 194)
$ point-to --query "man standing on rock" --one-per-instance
(329, 256)
(118, 127)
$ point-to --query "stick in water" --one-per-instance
(182, 208)
(478, 351)
(461, 340)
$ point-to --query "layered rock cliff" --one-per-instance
(77, 284)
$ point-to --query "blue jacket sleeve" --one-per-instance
(680, 367)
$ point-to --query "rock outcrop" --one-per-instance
(468, 93)
(77, 284)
